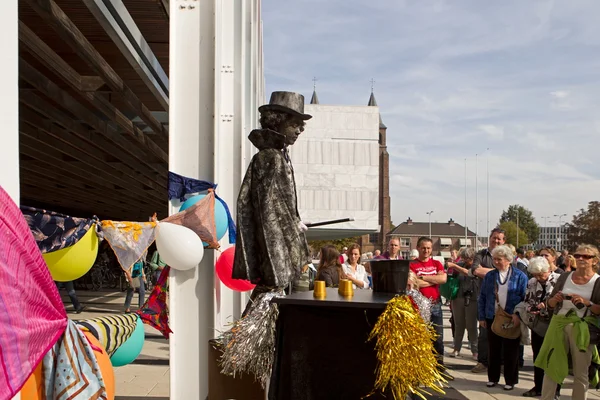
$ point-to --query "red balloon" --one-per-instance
(224, 269)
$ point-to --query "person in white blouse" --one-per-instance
(355, 271)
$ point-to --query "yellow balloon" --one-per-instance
(73, 262)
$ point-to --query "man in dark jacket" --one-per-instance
(483, 264)
(271, 246)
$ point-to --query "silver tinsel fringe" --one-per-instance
(422, 302)
(249, 346)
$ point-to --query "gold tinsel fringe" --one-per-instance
(406, 359)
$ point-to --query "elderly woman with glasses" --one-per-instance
(537, 317)
(575, 303)
(550, 254)
(464, 306)
(502, 289)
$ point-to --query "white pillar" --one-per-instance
(9, 102)
(216, 84)
(191, 153)
(9, 99)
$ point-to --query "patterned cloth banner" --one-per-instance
(179, 186)
(32, 315)
(129, 240)
(155, 311)
(111, 331)
(200, 218)
(53, 231)
(70, 369)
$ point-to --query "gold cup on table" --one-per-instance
(345, 288)
(319, 290)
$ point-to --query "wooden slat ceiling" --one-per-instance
(80, 152)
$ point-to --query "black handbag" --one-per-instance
(594, 334)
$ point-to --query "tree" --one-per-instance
(585, 227)
(526, 221)
(339, 244)
(511, 234)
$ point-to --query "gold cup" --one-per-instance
(320, 291)
(345, 288)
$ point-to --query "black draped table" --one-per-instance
(321, 346)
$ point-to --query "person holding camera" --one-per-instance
(536, 313)
(464, 306)
(575, 303)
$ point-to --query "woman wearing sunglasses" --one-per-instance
(575, 303)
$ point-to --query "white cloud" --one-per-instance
(453, 79)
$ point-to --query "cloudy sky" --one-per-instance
(452, 79)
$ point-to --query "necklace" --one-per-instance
(500, 276)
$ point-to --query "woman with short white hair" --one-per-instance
(537, 317)
(502, 289)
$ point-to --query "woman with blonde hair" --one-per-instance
(575, 303)
(570, 263)
(330, 268)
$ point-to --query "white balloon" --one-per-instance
(178, 246)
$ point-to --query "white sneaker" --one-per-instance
(454, 354)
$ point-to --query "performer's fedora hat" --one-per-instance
(288, 102)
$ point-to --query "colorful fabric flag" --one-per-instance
(32, 315)
(179, 186)
(111, 331)
(155, 311)
(200, 218)
(54, 231)
(129, 240)
(70, 369)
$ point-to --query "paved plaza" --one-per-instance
(148, 376)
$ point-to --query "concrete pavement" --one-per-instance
(148, 376)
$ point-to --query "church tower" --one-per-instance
(384, 185)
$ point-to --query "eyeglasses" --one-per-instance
(584, 256)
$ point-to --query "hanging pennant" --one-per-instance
(129, 240)
(180, 186)
(155, 311)
(54, 231)
(200, 218)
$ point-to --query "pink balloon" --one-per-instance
(224, 269)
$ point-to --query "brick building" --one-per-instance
(446, 236)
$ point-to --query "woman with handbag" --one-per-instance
(537, 317)
(502, 289)
(575, 302)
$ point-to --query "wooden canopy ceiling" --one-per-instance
(93, 133)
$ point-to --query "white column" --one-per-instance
(9, 102)
(191, 153)
(9, 99)
(228, 163)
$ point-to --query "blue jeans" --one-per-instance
(437, 319)
(141, 294)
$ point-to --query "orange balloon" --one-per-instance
(34, 386)
(106, 368)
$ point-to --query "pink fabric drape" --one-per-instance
(32, 315)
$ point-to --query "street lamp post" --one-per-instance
(429, 213)
(559, 239)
